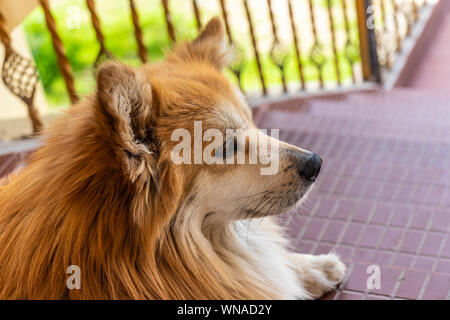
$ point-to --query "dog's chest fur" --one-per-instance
(268, 256)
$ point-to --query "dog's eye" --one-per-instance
(229, 147)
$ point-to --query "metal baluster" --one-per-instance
(4, 36)
(334, 41)
(384, 37)
(296, 45)
(238, 63)
(198, 19)
(351, 53)
(415, 10)
(411, 14)
(255, 48)
(279, 57)
(103, 53)
(382, 7)
(61, 57)
(396, 25)
(316, 52)
(142, 51)
(168, 17)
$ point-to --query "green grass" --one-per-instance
(82, 47)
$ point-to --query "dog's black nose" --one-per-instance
(311, 168)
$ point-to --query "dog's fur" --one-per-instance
(103, 193)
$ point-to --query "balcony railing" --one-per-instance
(283, 46)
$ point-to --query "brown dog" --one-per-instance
(103, 193)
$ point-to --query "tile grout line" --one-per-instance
(398, 283)
(433, 269)
(424, 237)
(383, 251)
(311, 217)
(344, 281)
(358, 241)
(397, 251)
(385, 228)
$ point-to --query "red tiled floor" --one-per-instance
(383, 197)
(443, 266)
(437, 287)
(411, 284)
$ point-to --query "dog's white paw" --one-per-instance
(320, 274)
(332, 267)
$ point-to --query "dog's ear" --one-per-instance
(210, 46)
(125, 102)
(127, 107)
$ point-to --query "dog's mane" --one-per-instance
(73, 205)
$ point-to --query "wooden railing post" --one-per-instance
(198, 20)
(316, 52)
(238, 64)
(296, 45)
(334, 41)
(142, 51)
(255, 48)
(168, 18)
(61, 57)
(278, 52)
(103, 54)
(367, 41)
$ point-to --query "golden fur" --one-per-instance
(102, 193)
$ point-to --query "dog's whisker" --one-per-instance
(255, 195)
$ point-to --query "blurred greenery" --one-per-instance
(82, 47)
